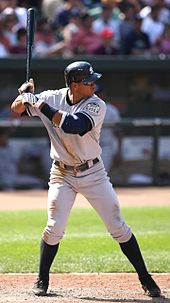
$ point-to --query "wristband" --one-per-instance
(48, 111)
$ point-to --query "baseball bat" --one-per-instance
(30, 40)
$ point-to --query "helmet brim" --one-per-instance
(92, 78)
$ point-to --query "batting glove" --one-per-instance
(29, 99)
(27, 87)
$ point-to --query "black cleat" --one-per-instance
(149, 286)
(40, 287)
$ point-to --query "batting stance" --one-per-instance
(73, 117)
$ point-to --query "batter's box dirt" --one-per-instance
(79, 288)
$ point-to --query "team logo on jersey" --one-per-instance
(92, 107)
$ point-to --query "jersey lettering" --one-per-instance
(92, 107)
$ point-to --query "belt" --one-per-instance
(77, 168)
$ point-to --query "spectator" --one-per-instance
(68, 18)
(107, 47)
(4, 41)
(86, 40)
(152, 26)
(136, 4)
(20, 8)
(50, 7)
(116, 12)
(44, 37)
(164, 15)
(62, 15)
(106, 20)
(20, 47)
(73, 26)
(111, 136)
(5, 3)
(126, 25)
(10, 21)
(45, 41)
(137, 42)
(163, 43)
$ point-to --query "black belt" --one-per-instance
(81, 167)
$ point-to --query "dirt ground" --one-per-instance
(36, 199)
(83, 288)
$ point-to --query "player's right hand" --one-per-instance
(29, 99)
(27, 87)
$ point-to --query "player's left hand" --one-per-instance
(27, 87)
(29, 99)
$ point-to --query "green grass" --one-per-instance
(86, 247)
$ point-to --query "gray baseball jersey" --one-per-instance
(72, 148)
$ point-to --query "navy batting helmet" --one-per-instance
(80, 71)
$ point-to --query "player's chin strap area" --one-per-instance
(77, 168)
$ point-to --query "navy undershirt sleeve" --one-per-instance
(77, 124)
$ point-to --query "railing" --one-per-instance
(155, 124)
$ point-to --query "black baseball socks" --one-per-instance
(47, 255)
(132, 251)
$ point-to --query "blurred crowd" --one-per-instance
(91, 27)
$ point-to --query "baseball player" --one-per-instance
(73, 117)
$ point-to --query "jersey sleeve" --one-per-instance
(95, 109)
(46, 96)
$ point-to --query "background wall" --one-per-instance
(139, 87)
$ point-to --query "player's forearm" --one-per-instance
(51, 113)
(57, 118)
(17, 106)
(72, 124)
